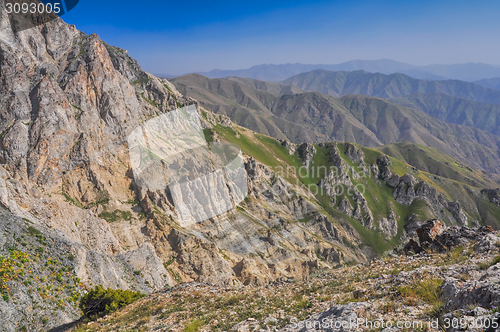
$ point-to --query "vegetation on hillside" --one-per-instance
(99, 302)
(451, 178)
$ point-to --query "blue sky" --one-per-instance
(175, 37)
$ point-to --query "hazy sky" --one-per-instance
(175, 37)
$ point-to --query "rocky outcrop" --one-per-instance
(291, 147)
(407, 189)
(435, 236)
(306, 153)
(389, 225)
(353, 153)
(341, 317)
(345, 207)
(429, 231)
(384, 171)
(493, 195)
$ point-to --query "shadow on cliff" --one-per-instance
(67, 327)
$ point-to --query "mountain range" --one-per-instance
(338, 181)
(271, 72)
(387, 86)
(282, 111)
(493, 83)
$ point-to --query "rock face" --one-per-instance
(493, 195)
(407, 189)
(339, 318)
(433, 235)
(430, 230)
(291, 147)
(68, 102)
(306, 153)
(353, 153)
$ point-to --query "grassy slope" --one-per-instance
(432, 161)
(452, 181)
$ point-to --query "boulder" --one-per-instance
(429, 231)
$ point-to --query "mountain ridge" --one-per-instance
(387, 86)
(316, 117)
(277, 72)
(72, 214)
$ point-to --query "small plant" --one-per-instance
(33, 231)
(390, 307)
(193, 326)
(428, 290)
(116, 215)
(437, 310)
(457, 256)
(486, 265)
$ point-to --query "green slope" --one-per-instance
(432, 161)
(452, 179)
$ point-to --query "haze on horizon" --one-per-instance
(180, 37)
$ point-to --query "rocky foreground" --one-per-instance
(451, 284)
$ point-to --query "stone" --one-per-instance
(306, 152)
(429, 231)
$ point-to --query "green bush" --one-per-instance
(428, 290)
(486, 265)
(100, 302)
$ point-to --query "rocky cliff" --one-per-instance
(73, 213)
(68, 103)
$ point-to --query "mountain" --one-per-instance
(469, 72)
(315, 117)
(165, 75)
(270, 72)
(387, 86)
(465, 72)
(75, 211)
(73, 214)
(271, 87)
(266, 72)
(456, 110)
(493, 83)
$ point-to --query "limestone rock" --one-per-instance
(291, 147)
(354, 153)
(306, 153)
(430, 230)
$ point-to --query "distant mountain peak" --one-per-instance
(470, 71)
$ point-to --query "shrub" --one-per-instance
(486, 265)
(193, 326)
(33, 231)
(428, 290)
(100, 302)
(116, 215)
